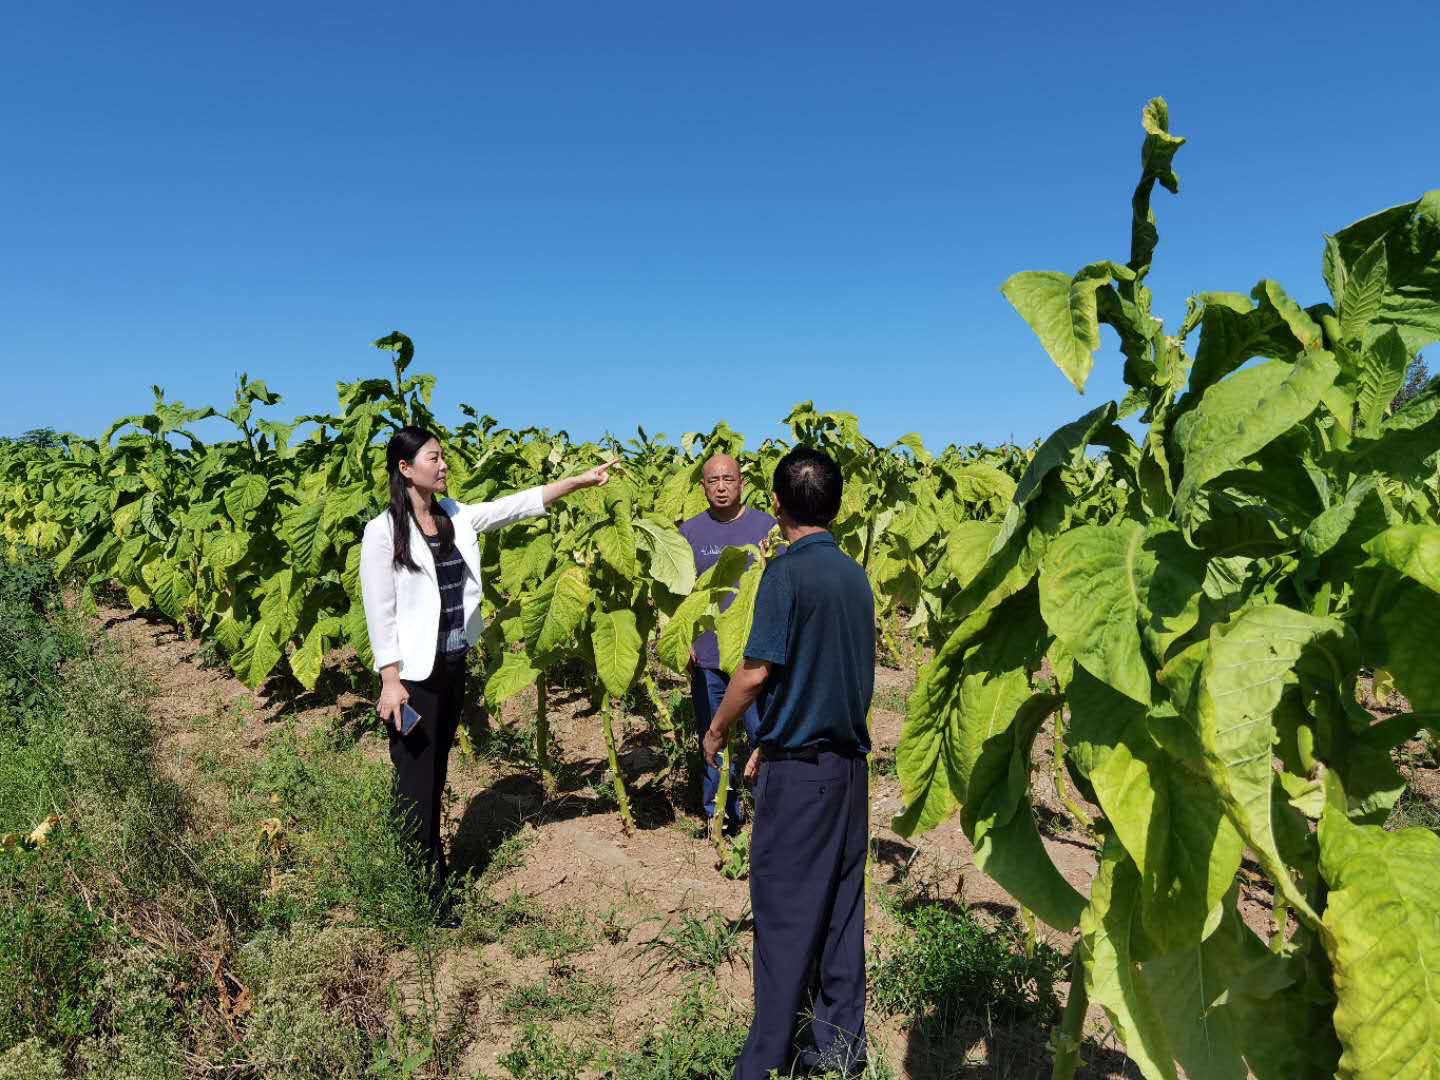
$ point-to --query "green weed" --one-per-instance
(563, 994)
(943, 965)
(537, 1054)
(695, 944)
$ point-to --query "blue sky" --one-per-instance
(596, 215)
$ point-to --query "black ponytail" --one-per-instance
(403, 446)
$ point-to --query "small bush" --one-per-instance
(537, 1054)
(695, 944)
(700, 1040)
(562, 995)
(944, 965)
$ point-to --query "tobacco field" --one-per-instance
(1171, 610)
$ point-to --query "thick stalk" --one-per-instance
(1279, 919)
(1057, 759)
(622, 797)
(1068, 1036)
(542, 738)
(657, 702)
(722, 796)
(887, 637)
(663, 724)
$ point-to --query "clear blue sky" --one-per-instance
(596, 215)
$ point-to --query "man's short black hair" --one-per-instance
(808, 484)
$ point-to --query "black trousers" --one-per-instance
(807, 894)
(422, 758)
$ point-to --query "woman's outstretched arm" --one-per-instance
(482, 517)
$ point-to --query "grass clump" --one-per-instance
(539, 1054)
(563, 994)
(696, 944)
(1413, 811)
(944, 965)
(700, 1040)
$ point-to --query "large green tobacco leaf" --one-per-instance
(1228, 338)
(1414, 550)
(967, 548)
(1411, 237)
(964, 700)
(1363, 292)
(976, 482)
(259, 655)
(618, 648)
(1400, 637)
(680, 632)
(617, 546)
(1062, 312)
(1107, 926)
(552, 615)
(1104, 586)
(732, 626)
(514, 674)
(306, 538)
(306, 661)
(672, 563)
(1400, 634)
(521, 565)
(1404, 442)
(1251, 660)
(1231, 1009)
(1065, 446)
(1381, 377)
(1331, 525)
(225, 549)
(1271, 296)
(1242, 414)
(999, 819)
(244, 496)
(927, 757)
(1384, 915)
(1157, 156)
(1169, 818)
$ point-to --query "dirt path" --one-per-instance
(578, 863)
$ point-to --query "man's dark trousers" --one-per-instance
(807, 894)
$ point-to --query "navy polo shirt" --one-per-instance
(815, 622)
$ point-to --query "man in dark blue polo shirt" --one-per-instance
(810, 660)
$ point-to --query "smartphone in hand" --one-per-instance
(408, 719)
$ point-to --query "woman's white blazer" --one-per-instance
(402, 607)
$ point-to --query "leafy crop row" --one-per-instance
(1274, 538)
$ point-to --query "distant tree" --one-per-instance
(1416, 376)
(43, 438)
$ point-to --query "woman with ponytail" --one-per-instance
(420, 581)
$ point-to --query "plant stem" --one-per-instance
(542, 738)
(1067, 1037)
(1057, 758)
(722, 796)
(622, 797)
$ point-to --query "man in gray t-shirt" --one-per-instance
(726, 523)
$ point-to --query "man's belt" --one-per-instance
(808, 753)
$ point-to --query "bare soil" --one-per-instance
(580, 860)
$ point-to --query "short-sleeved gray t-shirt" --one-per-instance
(708, 538)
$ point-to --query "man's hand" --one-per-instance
(752, 767)
(714, 743)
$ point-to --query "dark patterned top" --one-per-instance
(450, 573)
